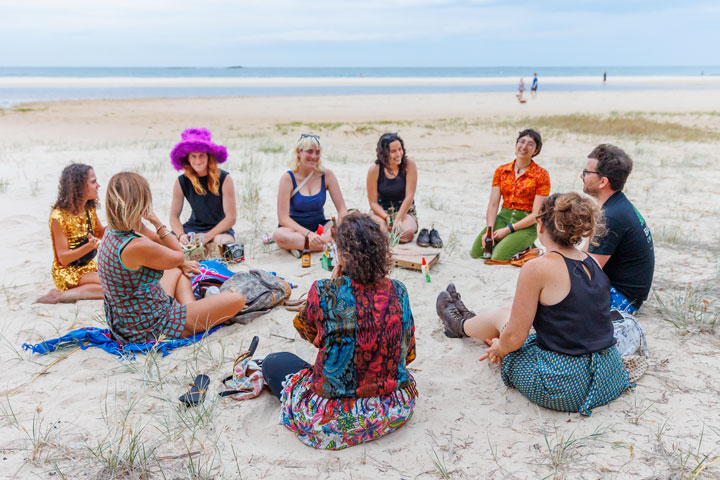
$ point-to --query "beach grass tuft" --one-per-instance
(692, 308)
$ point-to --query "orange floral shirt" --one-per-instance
(520, 193)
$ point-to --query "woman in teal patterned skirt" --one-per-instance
(570, 363)
(144, 275)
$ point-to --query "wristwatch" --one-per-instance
(511, 228)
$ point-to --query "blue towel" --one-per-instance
(100, 338)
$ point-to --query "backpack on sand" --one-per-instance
(262, 291)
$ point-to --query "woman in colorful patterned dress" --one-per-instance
(570, 363)
(523, 186)
(76, 232)
(359, 388)
(301, 198)
(144, 274)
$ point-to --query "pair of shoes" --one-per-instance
(196, 391)
(449, 314)
(429, 239)
(232, 252)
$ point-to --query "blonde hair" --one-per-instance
(304, 143)
(213, 176)
(128, 195)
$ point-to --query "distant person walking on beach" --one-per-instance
(533, 87)
(604, 77)
(521, 90)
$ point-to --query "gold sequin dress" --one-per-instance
(75, 228)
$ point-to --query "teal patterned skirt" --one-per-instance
(564, 382)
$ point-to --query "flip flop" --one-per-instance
(196, 391)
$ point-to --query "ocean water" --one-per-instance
(16, 94)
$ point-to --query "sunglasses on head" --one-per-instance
(390, 136)
(310, 135)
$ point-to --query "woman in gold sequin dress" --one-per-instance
(76, 232)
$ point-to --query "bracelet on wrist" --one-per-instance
(165, 234)
(157, 229)
(511, 228)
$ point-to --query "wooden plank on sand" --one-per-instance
(410, 256)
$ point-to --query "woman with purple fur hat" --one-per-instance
(209, 190)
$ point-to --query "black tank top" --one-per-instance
(580, 323)
(207, 210)
(391, 191)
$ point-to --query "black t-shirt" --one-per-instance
(629, 243)
(207, 210)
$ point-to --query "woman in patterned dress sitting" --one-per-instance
(144, 273)
(570, 363)
(76, 232)
(523, 186)
(359, 388)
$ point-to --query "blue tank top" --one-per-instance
(308, 210)
(580, 323)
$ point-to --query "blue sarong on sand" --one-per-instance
(100, 337)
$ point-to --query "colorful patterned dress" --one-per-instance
(137, 308)
(359, 388)
(76, 229)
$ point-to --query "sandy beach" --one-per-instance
(84, 413)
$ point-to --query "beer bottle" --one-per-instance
(305, 257)
(487, 252)
(333, 230)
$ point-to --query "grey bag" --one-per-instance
(262, 291)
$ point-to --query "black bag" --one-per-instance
(87, 258)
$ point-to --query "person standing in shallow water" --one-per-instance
(76, 233)
(523, 186)
(209, 190)
(534, 86)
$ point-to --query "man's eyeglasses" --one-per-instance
(310, 135)
(586, 171)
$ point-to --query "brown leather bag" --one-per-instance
(519, 259)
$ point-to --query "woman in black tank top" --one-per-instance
(208, 189)
(570, 363)
(391, 184)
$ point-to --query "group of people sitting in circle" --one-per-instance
(599, 259)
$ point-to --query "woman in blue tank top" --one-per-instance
(391, 184)
(301, 198)
(570, 363)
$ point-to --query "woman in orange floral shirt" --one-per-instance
(523, 186)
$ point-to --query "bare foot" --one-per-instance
(53, 296)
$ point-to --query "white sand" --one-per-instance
(465, 416)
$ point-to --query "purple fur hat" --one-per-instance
(196, 140)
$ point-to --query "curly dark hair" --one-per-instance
(364, 248)
(383, 151)
(71, 190)
(570, 217)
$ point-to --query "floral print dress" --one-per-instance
(359, 388)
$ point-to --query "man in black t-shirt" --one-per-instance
(626, 251)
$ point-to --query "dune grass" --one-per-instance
(617, 125)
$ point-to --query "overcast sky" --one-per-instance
(358, 33)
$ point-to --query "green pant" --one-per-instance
(511, 244)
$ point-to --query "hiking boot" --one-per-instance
(435, 240)
(464, 311)
(452, 319)
(423, 238)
